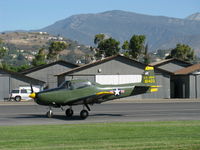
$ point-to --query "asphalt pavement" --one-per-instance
(29, 113)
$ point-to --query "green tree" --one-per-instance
(3, 49)
(136, 45)
(55, 48)
(98, 38)
(125, 45)
(147, 58)
(182, 52)
(109, 47)
(40, 58)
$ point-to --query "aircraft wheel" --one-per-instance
(84, 114)
(69, 112)
(50, 114)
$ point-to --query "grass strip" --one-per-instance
(173, 135)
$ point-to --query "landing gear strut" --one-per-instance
(69, 112)
(50, 113)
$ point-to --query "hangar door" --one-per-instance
(4, 87)
(118, 79)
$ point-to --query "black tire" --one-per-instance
(18, 98)
(69, 112)
(50, 114)
(84, 114)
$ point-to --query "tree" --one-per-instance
(55, 48)
(182, 52)
(125, 45)
(3, 50)
(136, 45)
(109, 47)
(146, 55)
(40, 58)
(98, 38)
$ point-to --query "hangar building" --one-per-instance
(187, 82)
(185, 77)
(118, 70)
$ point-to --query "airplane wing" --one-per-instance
(95, 98)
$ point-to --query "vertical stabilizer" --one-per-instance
(149, 79)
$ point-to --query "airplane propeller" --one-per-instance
(32, 95)
(31, 88)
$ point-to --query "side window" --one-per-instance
(23, 91)
(28, 91)
(15, 91)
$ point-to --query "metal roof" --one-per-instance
(188, 70)
(62, 62)
(165, 61)
(17, 75)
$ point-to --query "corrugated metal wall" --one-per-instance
(48, 74)
(114, 67)
(4, 86)
(194, 89)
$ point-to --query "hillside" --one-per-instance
(161, 32)
(28, 44)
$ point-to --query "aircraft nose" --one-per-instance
(32, 95)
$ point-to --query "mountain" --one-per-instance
(195, 16)
(161, 32)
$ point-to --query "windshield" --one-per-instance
(75, 85)
(65, 85)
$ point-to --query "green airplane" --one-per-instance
(84, 92)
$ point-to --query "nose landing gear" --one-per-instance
(50, 113)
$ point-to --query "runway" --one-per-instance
(112, 112)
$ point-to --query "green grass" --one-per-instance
(174, 135)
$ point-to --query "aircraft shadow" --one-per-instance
(59, 117)
(112, 115)
(62, 117)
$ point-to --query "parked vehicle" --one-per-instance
(22, 93)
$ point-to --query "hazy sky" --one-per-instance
(36, 14)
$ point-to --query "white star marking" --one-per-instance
(117, 92)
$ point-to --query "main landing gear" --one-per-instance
(83, 114)
(69, 112)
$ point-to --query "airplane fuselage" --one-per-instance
(63, 97)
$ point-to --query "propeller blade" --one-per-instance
(31, 88)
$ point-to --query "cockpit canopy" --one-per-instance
(75, 84)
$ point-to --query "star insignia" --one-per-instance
(117, 92)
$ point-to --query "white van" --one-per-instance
(23, 92)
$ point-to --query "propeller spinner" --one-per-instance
(32, 95)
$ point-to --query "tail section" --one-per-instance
(148, 83)
(149, 79)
